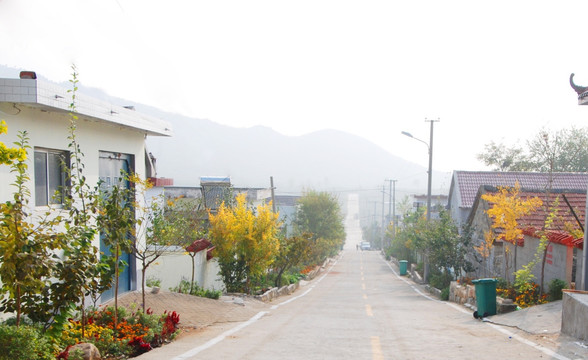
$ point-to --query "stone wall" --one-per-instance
(466, 295)
(275, 292)
(462, 294)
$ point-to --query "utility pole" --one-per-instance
(383, 221)
(429, 182)
(430, 179)
(392, 206)
(273, 194)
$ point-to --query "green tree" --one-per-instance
(565, 150)
(164, 224)
(294, 251)
(502, 158)
(27, 261)
(116, 220)
(319, 214)
(409, 238)
(80, 272)
(450, 247)
(152, 233)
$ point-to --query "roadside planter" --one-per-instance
(402, 265)
(485, 297)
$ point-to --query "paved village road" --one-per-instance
(360, 309)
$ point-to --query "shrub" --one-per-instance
(445, 294)
(293, 278)
(555, 289)
(184, 288)
(501, 283)
(530, 296)
(24, 343)
(440, 280)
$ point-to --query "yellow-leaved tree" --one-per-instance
(245, 241)
(506, 208)
(9, 155)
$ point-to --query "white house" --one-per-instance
(111, 137)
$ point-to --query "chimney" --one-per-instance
(28, 75)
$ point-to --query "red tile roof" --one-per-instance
(470, 181)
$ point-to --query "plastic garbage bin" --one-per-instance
(485, 297)
(402, 265)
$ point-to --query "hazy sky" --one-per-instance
(489, 70)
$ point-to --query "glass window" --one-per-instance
(50, 176)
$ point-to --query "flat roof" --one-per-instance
(49, 96)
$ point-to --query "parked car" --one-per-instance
(365, 245)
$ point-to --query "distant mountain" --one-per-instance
(324, 160)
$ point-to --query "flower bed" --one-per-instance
(135, 333)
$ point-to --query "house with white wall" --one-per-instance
(111, 137)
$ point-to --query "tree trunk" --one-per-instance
(278, 281)
(116, 269)
(83, 311)
(543, 268)
(18, 310)
(143, 271)
(193, 270)
(506, 265)
(515, 255)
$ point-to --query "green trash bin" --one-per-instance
(402, 265)
(485, 297)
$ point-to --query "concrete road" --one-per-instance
(358, 309)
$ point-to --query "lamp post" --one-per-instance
(430, 177)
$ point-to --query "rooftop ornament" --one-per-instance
(582, 91)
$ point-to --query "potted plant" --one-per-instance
(154, 283)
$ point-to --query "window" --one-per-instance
(50, 176)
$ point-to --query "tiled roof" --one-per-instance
(470, 181)
(564, 215)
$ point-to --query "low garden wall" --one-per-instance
(275, 292)
(465, 294)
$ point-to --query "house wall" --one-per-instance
(49, 129)
(493, 265)
(457, 213)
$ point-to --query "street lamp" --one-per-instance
(430, 177)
